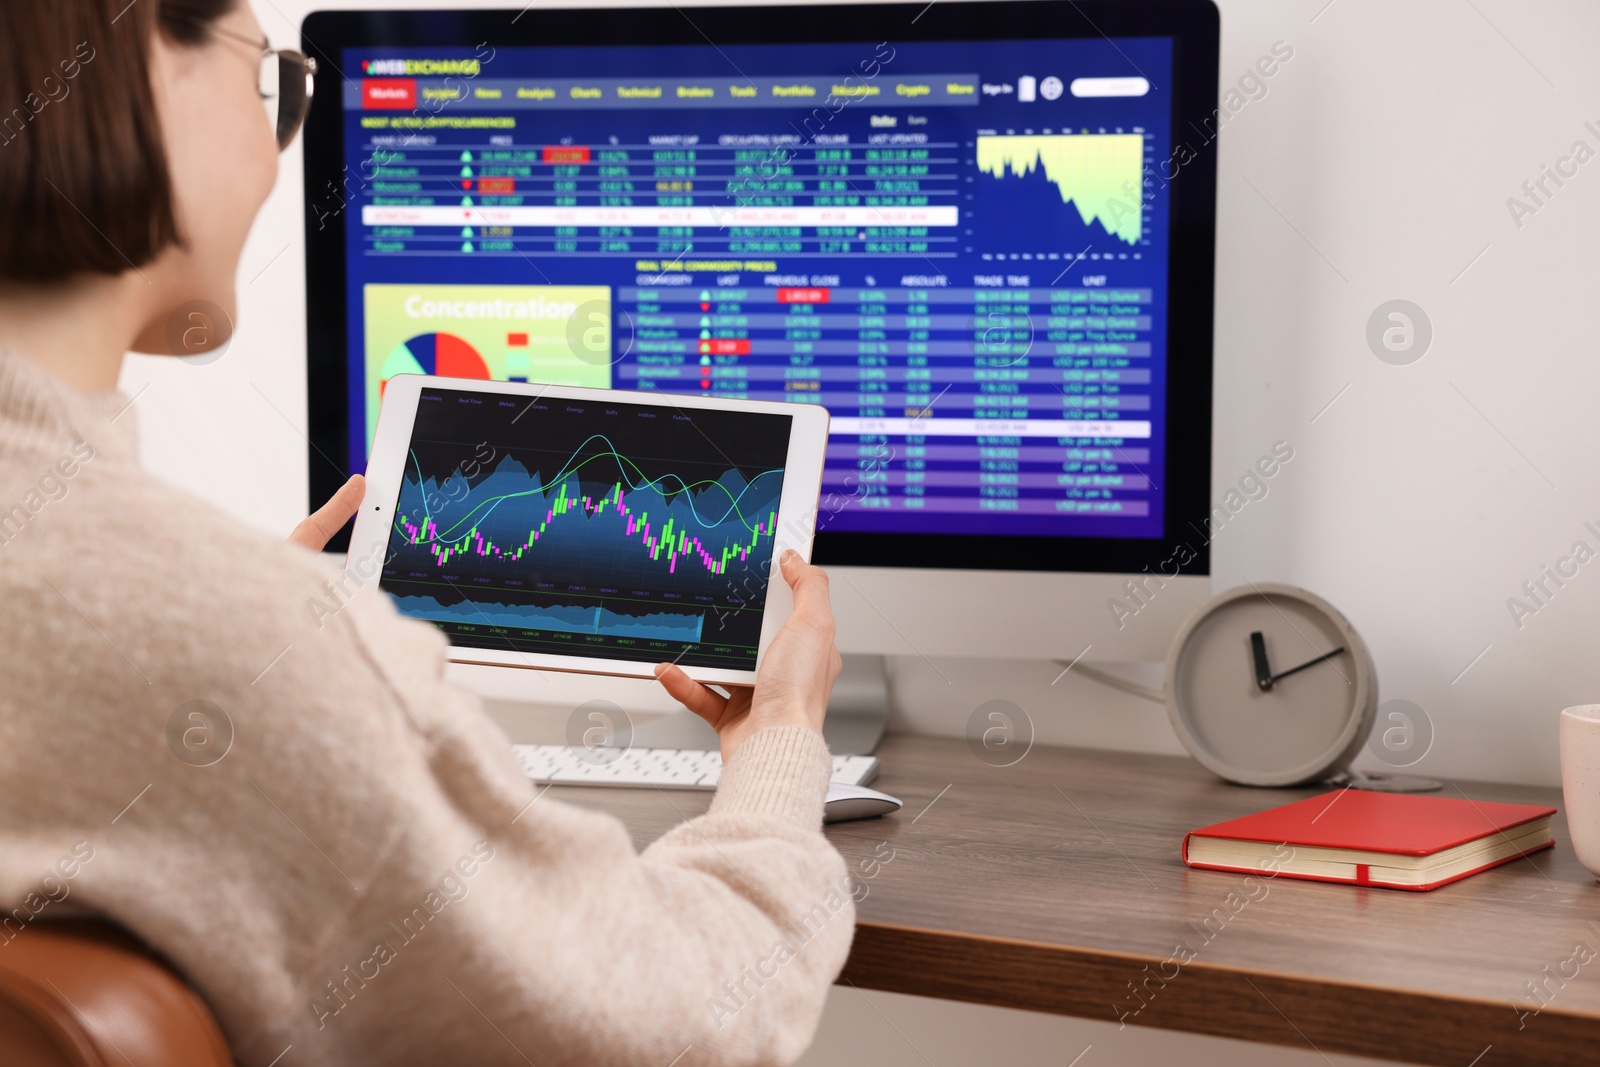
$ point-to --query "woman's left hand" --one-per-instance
(320, 526)
(796, 674)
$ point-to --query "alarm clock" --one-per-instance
(1270, 685)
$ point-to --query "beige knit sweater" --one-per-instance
(364, 876)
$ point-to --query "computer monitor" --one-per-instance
(980, 233)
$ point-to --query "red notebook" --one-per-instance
(1393, 840)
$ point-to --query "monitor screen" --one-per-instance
(961, 248)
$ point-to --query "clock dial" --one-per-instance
(1269, 685)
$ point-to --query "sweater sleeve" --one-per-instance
(563, 944)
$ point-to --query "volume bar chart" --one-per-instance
(575, 619)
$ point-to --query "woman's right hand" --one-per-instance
(796, 675)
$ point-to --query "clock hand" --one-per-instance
(1307, 663)
(1258, 652)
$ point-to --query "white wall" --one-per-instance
(1377, 166)
(1428, 493)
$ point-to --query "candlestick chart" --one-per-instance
(633, 539)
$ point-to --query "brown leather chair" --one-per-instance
(86, 995)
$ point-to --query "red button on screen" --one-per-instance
(803, 296)
(389, 94)
(566, 154)
(727, 347)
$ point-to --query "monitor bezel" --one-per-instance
(1193, 26)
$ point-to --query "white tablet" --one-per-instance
(589, 529)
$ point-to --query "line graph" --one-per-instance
(555, 523)
(630, 470)
(1101, 175)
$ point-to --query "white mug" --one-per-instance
(1580, 781)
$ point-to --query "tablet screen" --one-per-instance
(586, 528)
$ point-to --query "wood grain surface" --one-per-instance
(1056, 885)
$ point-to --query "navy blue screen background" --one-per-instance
(920, 332)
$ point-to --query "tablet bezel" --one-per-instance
(796, 525)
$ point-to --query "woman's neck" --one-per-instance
(77, 330)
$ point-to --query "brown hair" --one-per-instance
(84, 186)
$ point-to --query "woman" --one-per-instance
(366, 876)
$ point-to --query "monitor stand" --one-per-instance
(857, 714)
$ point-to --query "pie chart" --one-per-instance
(443, 354)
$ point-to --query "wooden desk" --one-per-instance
(1053, 885)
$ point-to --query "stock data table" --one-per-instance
(633, 200)
(1015, 371)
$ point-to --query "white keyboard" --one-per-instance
(667, 768)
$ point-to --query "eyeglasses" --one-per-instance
(286, 81)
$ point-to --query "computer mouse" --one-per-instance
(846, 802)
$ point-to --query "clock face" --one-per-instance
(1269, 685)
